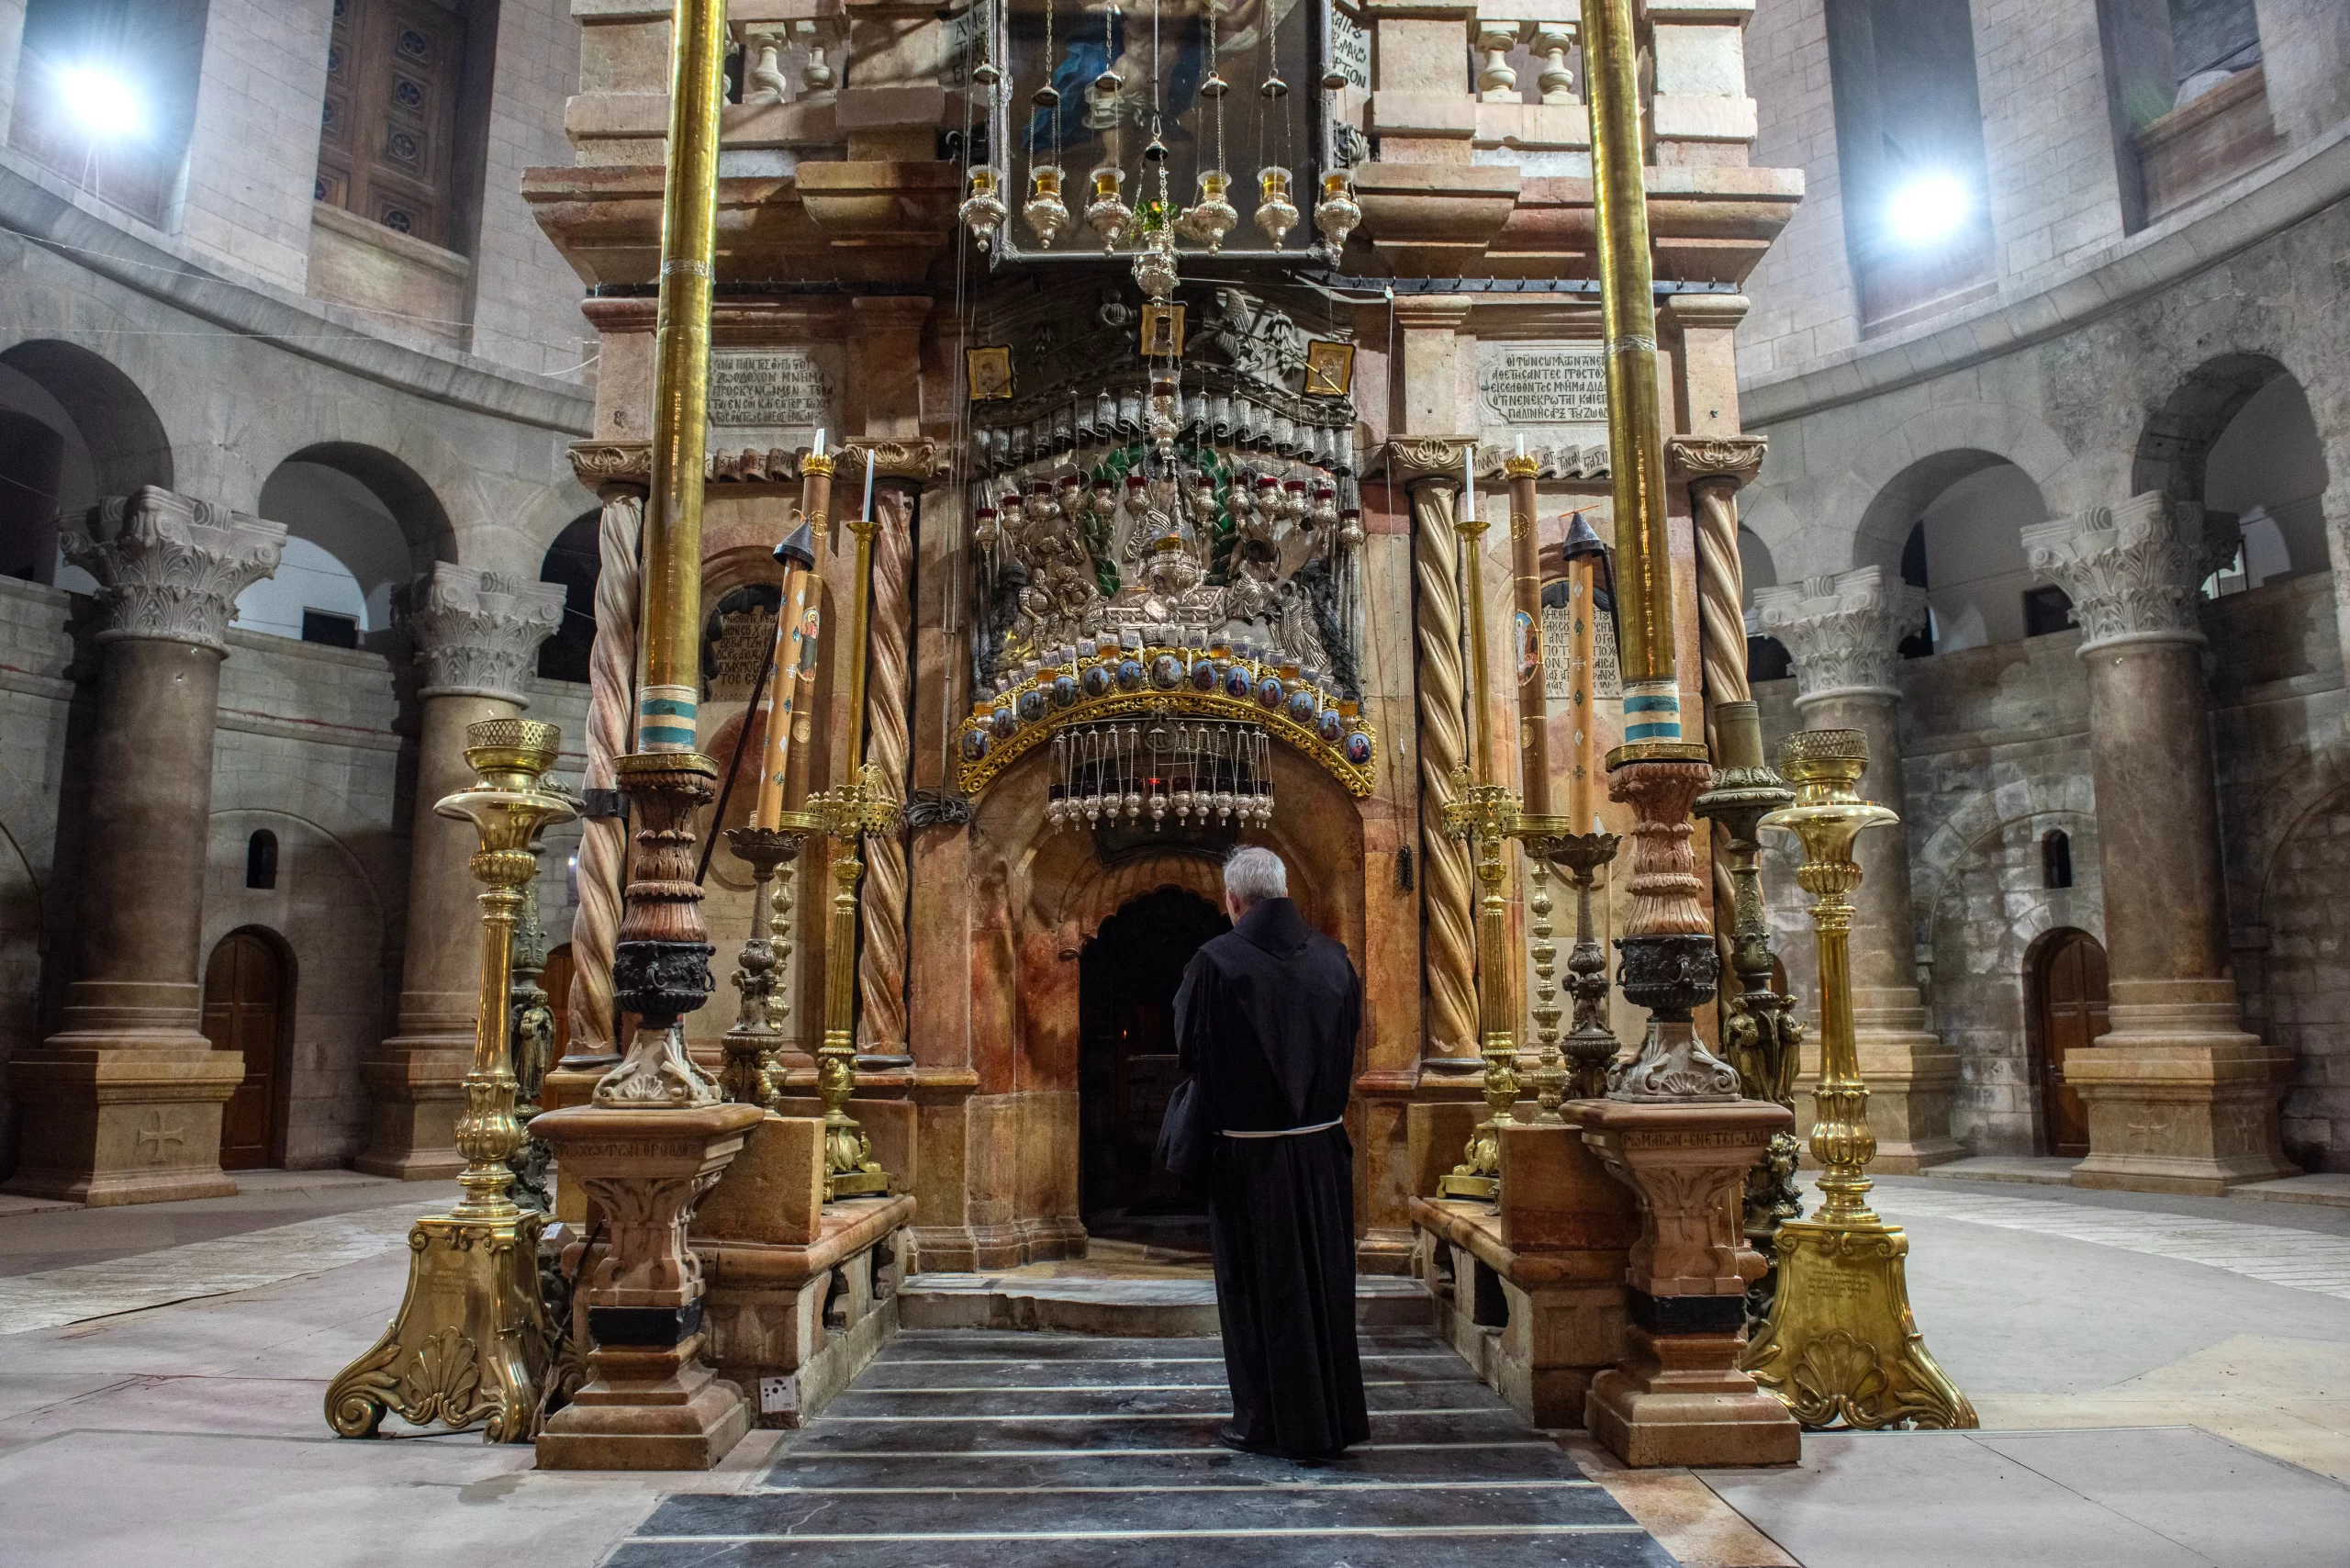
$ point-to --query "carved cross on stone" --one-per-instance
(157, 1139)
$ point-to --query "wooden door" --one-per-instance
(389, 118)
(244, 1010)
(2071, 1008)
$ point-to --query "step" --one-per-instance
(1147, 1309)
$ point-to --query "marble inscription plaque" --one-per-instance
(1545, 386)
(769, 389)
(1557, 660)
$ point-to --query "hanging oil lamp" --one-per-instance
(1107, 212)
(1337, 213)
(1213, 216)
(1275, 213)
(983, 211)
(1046, 212)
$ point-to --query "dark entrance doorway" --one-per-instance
(1126, 981)
(245, 1010)
(2066, 984)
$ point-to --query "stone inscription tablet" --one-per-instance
(1545, 386)
(769, 389)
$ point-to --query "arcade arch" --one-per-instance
(360, 525)
(1962, 544)
(73, 428)
(572, 561)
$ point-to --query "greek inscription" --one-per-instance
(767, 389)
(1545, 386)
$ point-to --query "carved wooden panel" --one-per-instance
(390, 116)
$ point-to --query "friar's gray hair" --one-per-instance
(1252, 874)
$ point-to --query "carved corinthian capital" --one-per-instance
(2131, 570)
(477, 632)
(171, 567)
(1844, 631)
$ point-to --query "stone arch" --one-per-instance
(2304, 986)
(1988, 909)
(411, 501)
(2176, 440)
(327, 911)
(114, 419)
(1111, 887)
(574, 560)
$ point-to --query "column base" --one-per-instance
(1679, 1399)
(646, 1407)
(107, 1123)
(419, 1086)
(1911, 1077)
(2179, 1099)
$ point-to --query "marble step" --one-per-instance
(1147, 1309)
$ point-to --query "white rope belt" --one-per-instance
(1292, 1132)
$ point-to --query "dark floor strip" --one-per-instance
(1526, 1459)
(1628, 1549)
(1202, 1372)
(1117, 1401)
(979, 1512)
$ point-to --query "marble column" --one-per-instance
(123, 1103)
(2180, 1098)
(477, 635)
(1844, 633)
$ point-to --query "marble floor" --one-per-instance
(2162, 1380)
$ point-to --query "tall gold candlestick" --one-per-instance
(1525, 582)
(471, 1339)
(815, 501)
(860, 806)
(1841, 1343)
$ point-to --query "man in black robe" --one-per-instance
(1266, 1023)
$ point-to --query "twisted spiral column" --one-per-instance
(603, 841)
(881, 964)
(1721, 619)
(1446, 894)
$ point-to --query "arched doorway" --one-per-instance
(1127, 975)
(2065, 984)
(247, 1006)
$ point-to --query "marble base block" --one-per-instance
(647, 1408)
(417, 1085)
(1679, 1399)
(106, 1124)
(1911, 1077)
(2179, 1098)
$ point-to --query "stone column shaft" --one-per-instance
(2180, 1099)
(1844, 633)
(123, 1104)
(476, 634)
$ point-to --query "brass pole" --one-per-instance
(1525, 582)
(661, 959)
(668, 649)
(1635, 417)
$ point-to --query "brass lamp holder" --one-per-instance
(747, 1075)
(847, 815)
(1590, 1045)
(1841, 1343)
(1487, 816)
(472, 1338)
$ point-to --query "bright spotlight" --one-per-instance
(1926, 209)
(100, 101)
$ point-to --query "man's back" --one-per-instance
(1279, 1003)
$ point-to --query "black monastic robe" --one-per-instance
(1266, 1022)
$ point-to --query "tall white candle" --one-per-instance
(819, 441)
(1469, 469)
(868, 513)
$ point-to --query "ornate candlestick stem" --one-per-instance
(471, 1339)
(1591, 1046)
(750, 1044)
(1549, 1074)
(1762, 1037)
(1487, 814)
(860, 806)
(1841, 1343)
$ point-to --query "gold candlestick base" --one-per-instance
(750, 1044)
(1840, 1344)
(1487, 815)
(847, 813)
(472, 1338)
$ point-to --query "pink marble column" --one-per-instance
(2180, 1098)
